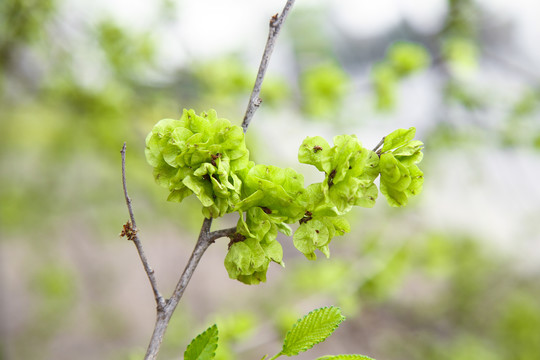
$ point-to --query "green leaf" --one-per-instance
(343, 194)
(284, 228)
(179, 194)
(371, 169)
(311, 151)
(310, 236)
(411, 148)
(274, 188)
(413, 159)
(339, 158)
(345, 357)
(394, 197)
(341, 225)
(247, 261)
(398, 138)
(204, 346)
(201, 188)
(312, 329)
(274, 251)
(417, 182)
(390, 168)
(164, 173)
(366, 195)
(312, 197)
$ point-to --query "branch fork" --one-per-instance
(166, 308)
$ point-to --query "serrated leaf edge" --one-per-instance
(345, 357)
(214, 345)
(303, 318)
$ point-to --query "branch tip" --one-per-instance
(275, 26)
(130, 231)
(206, 238)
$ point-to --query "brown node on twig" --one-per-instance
(331, 178)
(306, 218)
(214, 157)
(266, 210)
(128, 231)
(236, 237)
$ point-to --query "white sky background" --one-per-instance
(495, 206)
(232, 24)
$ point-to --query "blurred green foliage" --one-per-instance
(402, 59)
(406, 58)
(461, 54)
(385, 82)
(234, 328)
(23, 21)
(127, 53)
(323, 89)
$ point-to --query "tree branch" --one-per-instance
(130, 230)
(164, 316)
(165, 309)
(275, 27)
(379, 144)
(214, 235)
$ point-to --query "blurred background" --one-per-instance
(454, 275)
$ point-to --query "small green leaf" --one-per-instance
(164, 173)
(179, 194)
(345, 357)
(202, 189)
(343, 194)
(247, 262)
(312, 329)
(274, 188)
(371, 169)
(310, 236)
(274, 251)
(390, 170)
(411, 148)
(311, 151)
(341, 225)
(204, 346)
(366, 195)
(284, 228)
(394, 197)
(398, 138)
(417, 182)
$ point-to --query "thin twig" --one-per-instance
(206, 238)
(214, 235)
(275, 26)
(160, 302)
(379, 144)
(164, 316)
